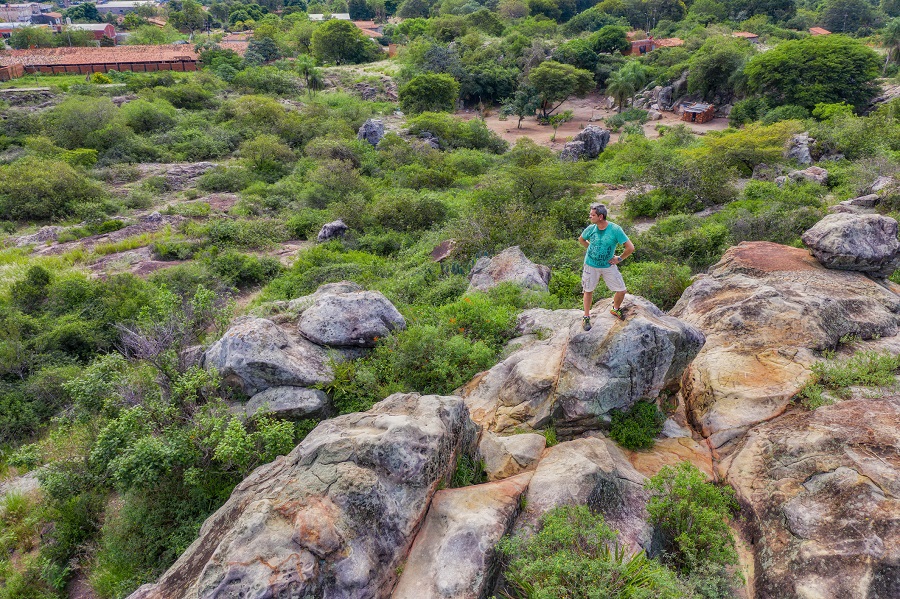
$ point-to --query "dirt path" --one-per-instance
(586, 110)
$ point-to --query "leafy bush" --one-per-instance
(575, 554)
(638, 427)
(37, 189)
(143, 116)
(785, 113)
(405, 211)
(429, 92)
(243, 270)
(457, 133)
(222, 178)
(693, 516)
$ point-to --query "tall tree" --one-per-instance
(620, 87)
(556, 82)
(824, 68)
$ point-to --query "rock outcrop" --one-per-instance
(823, 491)
(333, 230)
(861, 242)
(509, 266)
(813, 174)
(453, 556)
(765, 308)
(507, 456)
(595, 140)
(558, 372)
(336, 516)
(798, 149)
(573, 151)
(255, 354)
(353, 319)
(590, 471)
(372, 131)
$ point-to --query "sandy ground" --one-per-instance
(586, 110)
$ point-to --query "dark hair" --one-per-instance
(600, 209)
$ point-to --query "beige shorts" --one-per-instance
(590, 276)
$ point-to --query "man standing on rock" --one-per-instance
(601, 239)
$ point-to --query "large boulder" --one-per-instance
(255, 354)
(507, 456)
(286, 403)
(572, 151)
(591, 471)
(798, 149)
(336, 516)
(765, 309)
(822, 490)
(813, 174)
(863, 242)
(558, 372)
(595, 140)
(372, 131)
(455, 556)
(350, 319)
(509, 266)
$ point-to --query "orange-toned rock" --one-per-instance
(454, 554)
(823, 492)
(765, 309)
(671, 452)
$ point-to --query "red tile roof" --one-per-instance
(819, 31)
(76, 56)
(744, 34)
(366, 24)
(668, 42)
(370, 33)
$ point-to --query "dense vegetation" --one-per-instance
(133, 443)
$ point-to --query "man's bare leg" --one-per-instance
(588, 300)
(617, 299)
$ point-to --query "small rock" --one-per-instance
(372, 131)
(880, 183)
(333, 230)
(654, 115)
(508, 456)
(866, 201)
(813, 174)
(509, 266)
(862, 242)
(43, 235)
(673, 430)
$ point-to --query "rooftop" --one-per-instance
(89, 26)
(76, 56)
(669, 42)
(126, 3)
(744, 34)
(819, 31)
(343, 16)
(697, 107)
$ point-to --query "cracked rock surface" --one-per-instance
(336, 516)
(823, 493)
(765, 308)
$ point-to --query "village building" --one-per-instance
(641, 43)
(698, 112)
(99, 30)
(819, 31)
(20, 13)
(122, 7)
(369, 28)
(141, 59)
(750, 37)
(341, 16)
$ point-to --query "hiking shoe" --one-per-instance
(586, 323)
(618, 313)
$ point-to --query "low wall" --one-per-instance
(13, 71)
(137, 67)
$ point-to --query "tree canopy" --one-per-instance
(341, 42)
(556, 82)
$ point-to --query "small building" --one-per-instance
(698, 112)
(7, 29)
(641, 43)
(100, 30)
(668, 42)
(19, 13)
(750, 37)
(100, 60)
(122, 7)
(818, 31)
(369, 28)
(341, 16)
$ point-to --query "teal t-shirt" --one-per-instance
(603, 244)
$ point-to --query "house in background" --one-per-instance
(750, 37)
(19, 13)
(7, 29)
(341, 16)
(641, 43)
(122, 7)
(53, 19)
(100, 30)
(698, 112)
(369, 28)
(819, 31)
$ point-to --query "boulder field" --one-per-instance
(360, 508)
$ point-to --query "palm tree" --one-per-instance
(636, 75)
(620, 87)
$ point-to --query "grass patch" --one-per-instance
(469, 471)
(833, 377)
(638, 427)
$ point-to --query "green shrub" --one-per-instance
(406, 211)
(692, 515)
(638, 427)
(37, 189)
(660, 282)
(457, 133)
(429, 92)
(575, 555)
(223, 178)
(469, 471)
(785, 113)
(863, 368)
(243, 270)
(242, 233)
(144, 116)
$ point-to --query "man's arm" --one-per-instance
(629, 249)
(584, 243)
